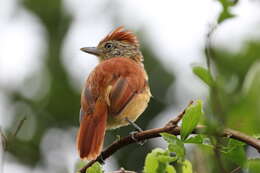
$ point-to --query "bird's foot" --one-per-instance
(134, 132)
(134, 125)
(133, 137)
(100, 159)
(118, 137)
(115, 135)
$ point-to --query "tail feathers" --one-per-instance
(91, 133)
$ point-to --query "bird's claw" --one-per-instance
(118, 137)
(133, 137)
(101, 159)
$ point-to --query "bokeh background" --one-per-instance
(42, 71)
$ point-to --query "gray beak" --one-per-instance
(91, 50)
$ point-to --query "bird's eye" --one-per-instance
(108, 45)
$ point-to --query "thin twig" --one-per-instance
(3, 139)
(208, 52)
(215, 95)
(19, 126)
(170, 128)
(218, 158)
(208, 46)
(122, 170)
(177, 119)
(235, 170)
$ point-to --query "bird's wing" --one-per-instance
(87, 103)
(121, 93)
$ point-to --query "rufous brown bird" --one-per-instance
(115, 93)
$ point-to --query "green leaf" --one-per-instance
(166, 158)
(158, 161)
(235, 152)
(79, 164)
(175, 145)
(225, 13)
(257, 136)
(151, 163)
(191, 118)
(186, 167)
(253, 165)
(203, 74)
(170, 169)
(95, 168)
(201, 140)
(237, 155)
(197, 139)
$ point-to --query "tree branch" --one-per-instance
(172, 128)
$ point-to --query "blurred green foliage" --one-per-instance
(226, 13)
(233, 99)
(158, 161)
(253, 165)
(238, 83)
(203, 74)
(56, 109)
(170, 160)
(95, 168)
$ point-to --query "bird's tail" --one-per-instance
(91, 133)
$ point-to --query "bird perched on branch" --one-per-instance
(116, 92)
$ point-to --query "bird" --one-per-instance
(115, 93)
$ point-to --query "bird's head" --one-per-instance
(118, 43)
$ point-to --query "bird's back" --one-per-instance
(132, 101)
(110, 70)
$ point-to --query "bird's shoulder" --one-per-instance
(109, 71)
(120, 65)
(117, 67)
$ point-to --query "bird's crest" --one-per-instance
(120, 34)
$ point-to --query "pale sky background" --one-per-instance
(174, 28)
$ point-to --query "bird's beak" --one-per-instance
(91, 50)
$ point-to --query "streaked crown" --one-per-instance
(120, 34)
(118, 43)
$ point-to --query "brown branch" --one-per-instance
(169, 128)
(253, 142)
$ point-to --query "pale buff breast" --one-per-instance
(132, 111)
